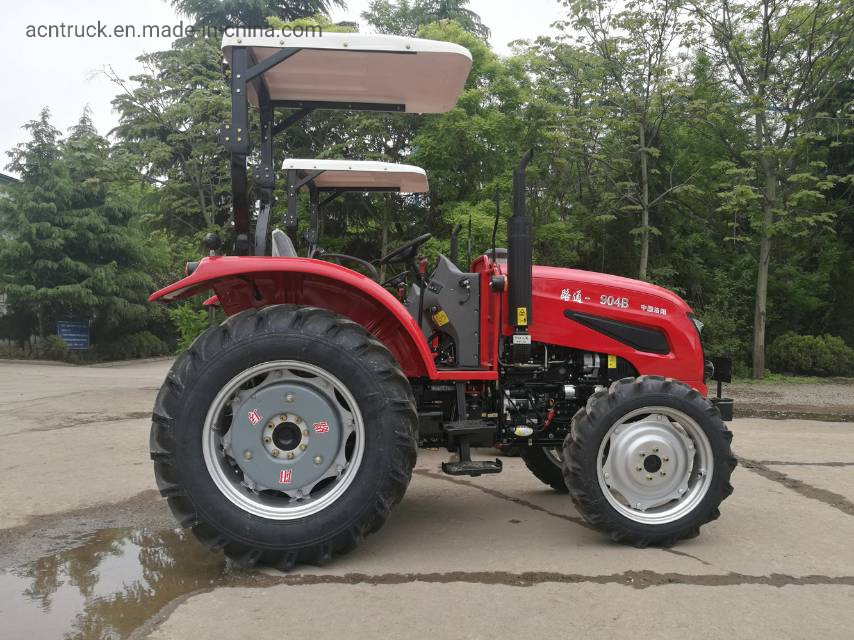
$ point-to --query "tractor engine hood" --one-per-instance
(647, 325)
(588, 287)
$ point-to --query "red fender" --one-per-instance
(245, 282)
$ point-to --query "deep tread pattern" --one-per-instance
(544, 468)
(391, 391)
(591, 424)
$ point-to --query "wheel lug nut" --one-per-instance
(290, 455)
(305, 432)
(275, 453)
(655, 450)
(664, 473)
(247, 455)
(642, 454)
(297, 419)
(318, 460)
(649, 477)
(639, 468)
(268, 440)
(303, 447)
(666, 459)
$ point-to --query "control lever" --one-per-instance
(465, 283)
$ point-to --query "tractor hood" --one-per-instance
(647, 325)
(589, 287)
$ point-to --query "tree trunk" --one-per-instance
(41, 321)
(644, 171)
(769, 202)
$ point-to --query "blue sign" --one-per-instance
(75, 335)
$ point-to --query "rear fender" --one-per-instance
(253, 282)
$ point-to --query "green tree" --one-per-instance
(252, 13)
(784, 59)
(405, 17)
(638, 93)
(71, 247)
(169, 118)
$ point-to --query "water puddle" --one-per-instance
(106, 587)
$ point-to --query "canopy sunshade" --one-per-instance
(359, 175)
(403, 74)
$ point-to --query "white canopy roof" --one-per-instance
(426, 76)
(358, 174)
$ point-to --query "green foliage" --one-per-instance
(812, 355)
(406, 18)
(70, 244)
(189, 322)
(251, 13)
(169, 117)
(142, 344)
(52, 348)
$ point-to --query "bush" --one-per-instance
(811, 355)
(190, 324)
(52, 348)
(142, 344)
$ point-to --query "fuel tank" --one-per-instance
(645, 324)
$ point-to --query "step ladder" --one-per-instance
(461, 436)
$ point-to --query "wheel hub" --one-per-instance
(287, 434)
(649, 462)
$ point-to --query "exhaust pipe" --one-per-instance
(455, 244)
(519, 260)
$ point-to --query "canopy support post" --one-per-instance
(265, 174)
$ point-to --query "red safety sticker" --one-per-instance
(254, 416)
(321, 427)
(285, 476)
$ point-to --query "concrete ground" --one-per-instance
(89, 550)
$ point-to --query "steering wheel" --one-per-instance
(407, 251)
(337, 258)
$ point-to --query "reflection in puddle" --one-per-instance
(106, 587)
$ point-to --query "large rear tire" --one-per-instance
(648, 461)
(284, 436)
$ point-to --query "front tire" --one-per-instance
(648, 461)
(284, 436)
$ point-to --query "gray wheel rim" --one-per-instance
(655, 465)
(283, 440)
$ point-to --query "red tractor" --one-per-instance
(287, 433)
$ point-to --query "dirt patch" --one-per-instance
(831, 401)
(829, 498)
(635, 579)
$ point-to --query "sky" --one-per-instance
(65, 74)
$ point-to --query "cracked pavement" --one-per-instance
(89, 550)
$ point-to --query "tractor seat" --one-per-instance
(282, 245)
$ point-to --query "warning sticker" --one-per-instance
(255, 416)
(612, 362)
(440, 318)
(285, 476)
(521, 316)
(321, 427)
